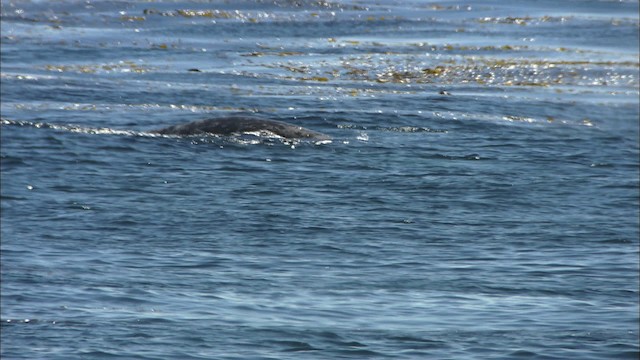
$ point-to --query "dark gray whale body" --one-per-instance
(241, 124)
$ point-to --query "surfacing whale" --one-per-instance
(241, 124)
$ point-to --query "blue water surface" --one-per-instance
(479, 198)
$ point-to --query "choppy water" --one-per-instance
(497, 222)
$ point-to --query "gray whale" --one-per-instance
(241, 124)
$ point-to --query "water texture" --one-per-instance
(478, 200)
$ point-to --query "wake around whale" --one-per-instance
(241, 124)
(225, 126)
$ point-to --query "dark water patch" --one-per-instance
(8, 161)
(294, 346)
(418, 342)
(4, 197)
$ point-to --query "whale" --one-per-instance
(240, 124)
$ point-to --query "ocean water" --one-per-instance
(479, 198)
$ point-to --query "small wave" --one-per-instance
(73, 128)
(406, 129)
(459, 157)
(19, 321)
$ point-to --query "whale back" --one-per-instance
(238, 125)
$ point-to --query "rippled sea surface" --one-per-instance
(478, 199)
